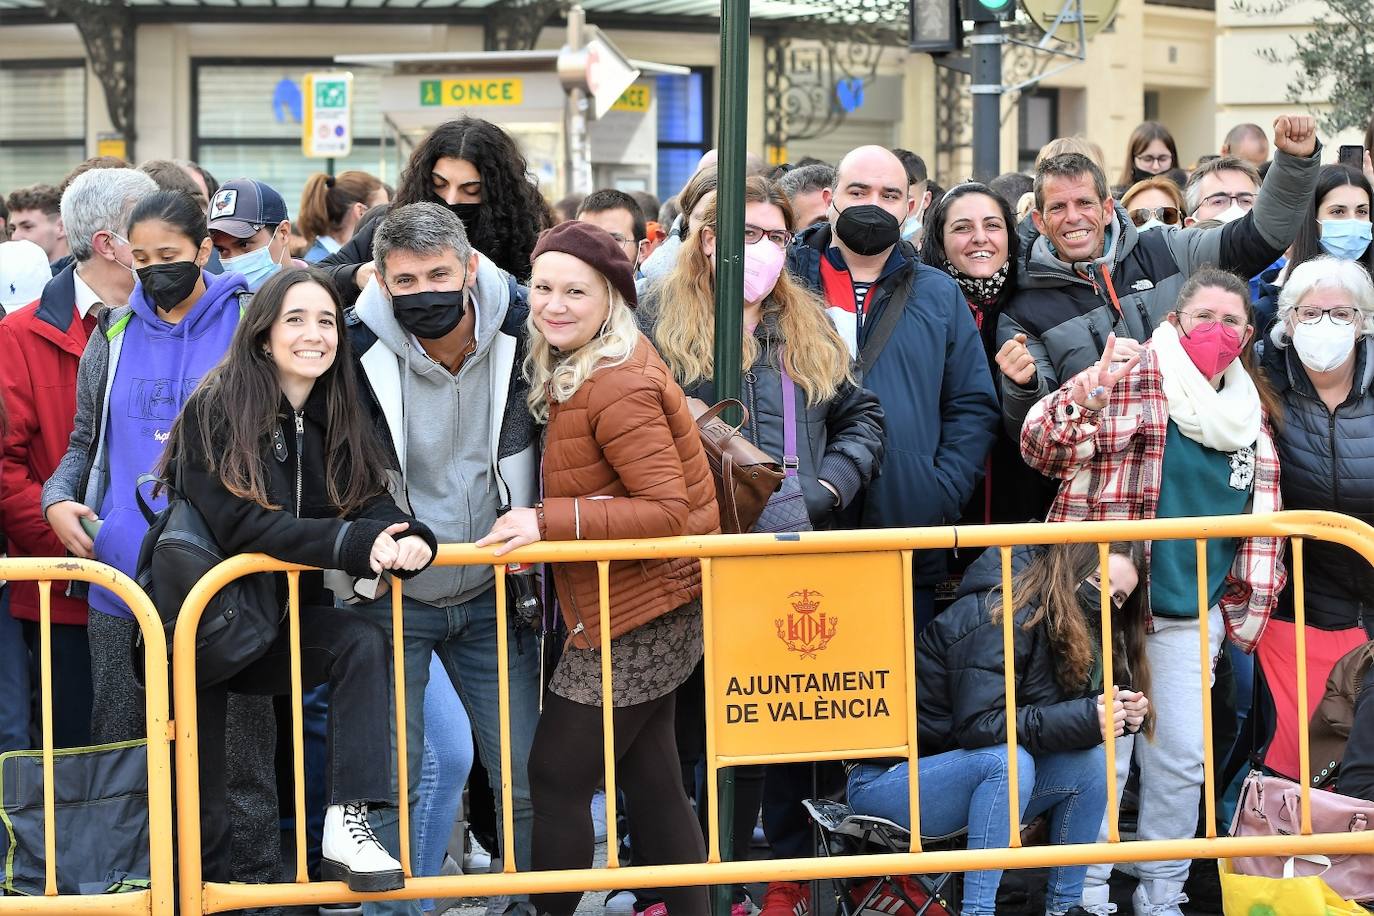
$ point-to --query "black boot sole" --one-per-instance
(373, 882)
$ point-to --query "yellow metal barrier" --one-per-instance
(158, 900)
(868, 600)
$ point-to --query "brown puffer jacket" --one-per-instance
(623, 459)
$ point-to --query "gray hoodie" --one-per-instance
(445, 435)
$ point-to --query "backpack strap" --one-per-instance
(161, 484)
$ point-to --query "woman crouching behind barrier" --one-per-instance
(622, 459)
(275, 454)
(1060, 719)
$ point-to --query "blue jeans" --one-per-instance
(448, 758)
(464, 638)
(969, 788)
(15, 695)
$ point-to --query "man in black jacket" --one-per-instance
(1085, 271)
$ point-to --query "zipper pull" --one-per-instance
(300, 422)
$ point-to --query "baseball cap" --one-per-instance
(24, 271)
(243, 206)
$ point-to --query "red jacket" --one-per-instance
(40, 349)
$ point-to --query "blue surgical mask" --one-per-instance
(911, 227)
(1346, 239)
(256, 266)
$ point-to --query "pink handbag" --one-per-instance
(1270, 806)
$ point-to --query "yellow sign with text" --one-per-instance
(636, 99)
(472, 91)
(809, 655)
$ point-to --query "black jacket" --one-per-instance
(343, 264)
(313, 534)
(1326, 461)
(960, 688)
(839, 441)
(1356, 778)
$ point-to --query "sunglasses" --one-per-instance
(1169, 216)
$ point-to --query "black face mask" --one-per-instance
(430, 315)
(1090, 600)
(467, 213)
(166, 285)
(867, 229)
(1139, 174)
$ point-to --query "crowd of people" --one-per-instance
(455, 360)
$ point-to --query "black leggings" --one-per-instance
(565, 771)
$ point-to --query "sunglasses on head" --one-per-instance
(1169, 216)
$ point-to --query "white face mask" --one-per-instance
(1324, 345)
(1231, 213)
(1149, 225)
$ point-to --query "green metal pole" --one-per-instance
(730, 150)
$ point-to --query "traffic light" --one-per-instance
(988, 10)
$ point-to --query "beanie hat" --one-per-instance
(595, 246)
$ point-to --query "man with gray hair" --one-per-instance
(805, 187)
(439, 337)
(42, 345)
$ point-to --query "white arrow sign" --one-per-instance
(609, 74)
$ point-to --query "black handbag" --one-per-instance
(240, 622)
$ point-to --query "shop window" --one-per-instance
(246, 123)
(684, 128)
(42, 121)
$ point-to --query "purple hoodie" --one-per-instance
(159, 365)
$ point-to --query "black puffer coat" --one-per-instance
(840, 441)
(1326, 461)
(960, 687)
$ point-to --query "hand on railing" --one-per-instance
(516, 528)
(409, 553)
(1118, 720)
(1137, 708)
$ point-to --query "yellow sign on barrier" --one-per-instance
(807, 647)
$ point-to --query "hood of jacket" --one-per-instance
(490, 297)
(985, 572)
(1039, 267)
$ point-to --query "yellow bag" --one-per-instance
(1250, 895)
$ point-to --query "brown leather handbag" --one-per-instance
(745, 476)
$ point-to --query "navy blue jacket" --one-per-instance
(933, 382)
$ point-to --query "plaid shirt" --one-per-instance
(1111, 462)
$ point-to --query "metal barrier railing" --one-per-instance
(865, 567)
(158, 899)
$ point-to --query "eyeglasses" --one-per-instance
(780, 237)
(1163, 160)
(621, 240)
(1245, 200)
(1343, 314)
(1204, 316)
(1169, 216)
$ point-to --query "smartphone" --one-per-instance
(91, 525)
(1352, 156)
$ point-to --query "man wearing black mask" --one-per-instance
(439, 334)
(919, 351)
(921, 360)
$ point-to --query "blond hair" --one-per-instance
(555, 376)
(815, 355)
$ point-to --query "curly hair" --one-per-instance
(513, 212)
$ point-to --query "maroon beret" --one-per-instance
(595, 246)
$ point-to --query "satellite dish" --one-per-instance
(1097, 15)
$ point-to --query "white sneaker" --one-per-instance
(351, 853)
(620, 903)
(1097, 900)
(1159, 898)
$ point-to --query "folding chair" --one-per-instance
(845, 833)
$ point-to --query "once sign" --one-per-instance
(471, 91)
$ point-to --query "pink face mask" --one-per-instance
(1211, 347)
(763, 262)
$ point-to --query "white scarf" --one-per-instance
(1227, 420)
